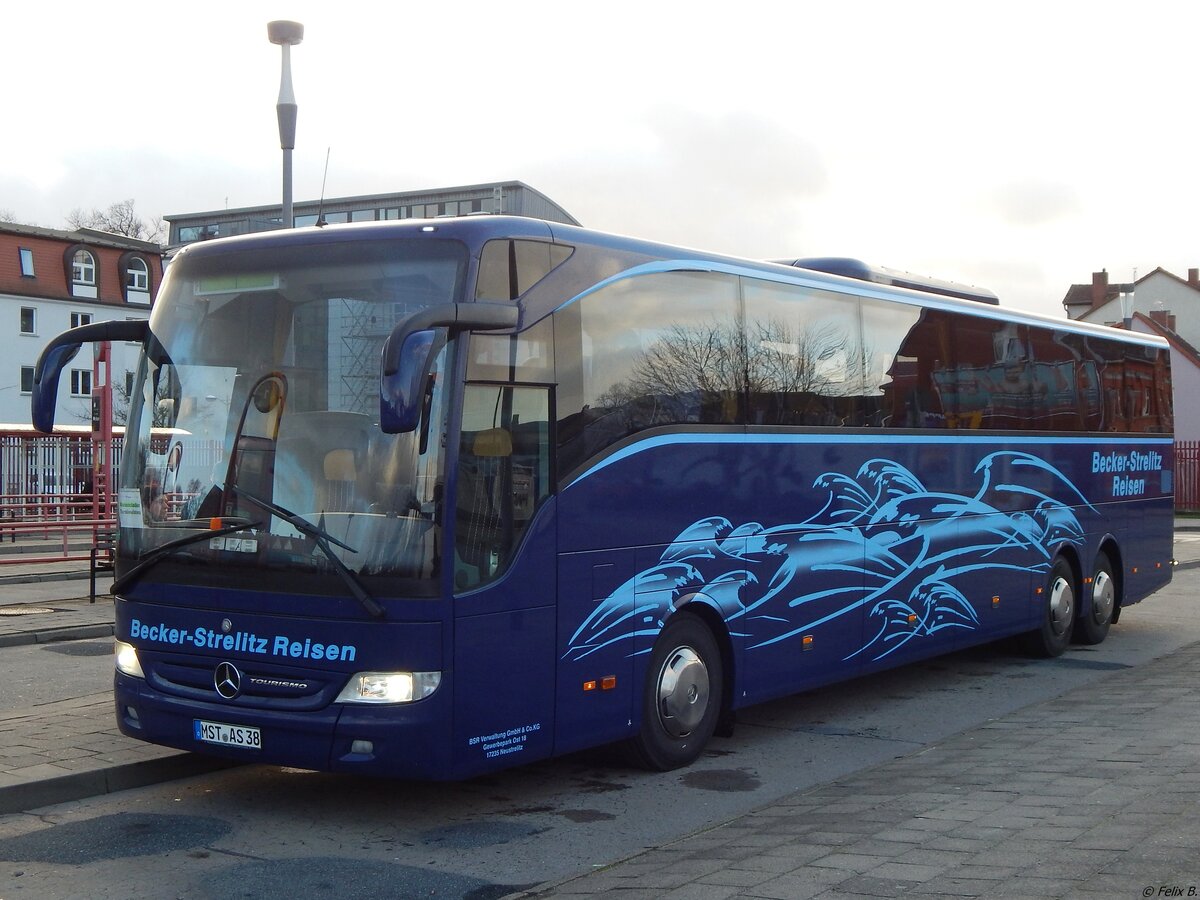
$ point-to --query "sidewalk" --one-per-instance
(1091, 794)
(71, 748)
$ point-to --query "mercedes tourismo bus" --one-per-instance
(431, 498)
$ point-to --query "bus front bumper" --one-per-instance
(395, 741)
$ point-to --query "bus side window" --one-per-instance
(503, 477)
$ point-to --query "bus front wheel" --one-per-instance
(1053, 633)
(1092, 627)
(681, 699)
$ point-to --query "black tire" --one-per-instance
(1092, 625)
(1059, 603)
(681, 699)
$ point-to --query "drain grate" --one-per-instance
(24, 610)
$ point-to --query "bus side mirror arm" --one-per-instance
(61, 350)
(412, 345)
(454, 316)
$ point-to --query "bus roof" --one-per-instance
(856, 268)
(832, 273)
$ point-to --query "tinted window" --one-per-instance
(1132, 386)
(503, 476)
(889, 376)
(803, 356)
(524, 357)
(507, 269)
(662, 349)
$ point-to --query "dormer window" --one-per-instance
(135, 278)
(83, 274)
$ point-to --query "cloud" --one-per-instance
(734, 183)
(1035, 202)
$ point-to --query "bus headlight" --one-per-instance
(389, 687)
(127, 659)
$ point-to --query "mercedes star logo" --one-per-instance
(227, 680)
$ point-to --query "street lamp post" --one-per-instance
(286, 34)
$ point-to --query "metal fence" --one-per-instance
(48, 468)
(49, 505)
(1187, 476)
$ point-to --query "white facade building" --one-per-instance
(53, 280)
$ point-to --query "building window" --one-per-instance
(134, 272)
(28, 320)
(198, 233)
(26, 261)
(78, 319)
(362, 215)
(81, 382)
(83, 274)
(137, 276)
(26, 379)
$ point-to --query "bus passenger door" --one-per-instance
(504, 579)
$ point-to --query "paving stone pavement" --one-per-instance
(1093, 794)
(69, 749)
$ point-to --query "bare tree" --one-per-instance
(7, 215)
(119, 218)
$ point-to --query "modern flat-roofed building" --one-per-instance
(502, 197)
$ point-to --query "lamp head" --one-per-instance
(282, 31)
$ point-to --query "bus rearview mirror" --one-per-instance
(409, 350)
(61, 350)
(401, 393)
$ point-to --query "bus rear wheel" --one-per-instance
(1057, 623)
(681, 698)
(1092, 627)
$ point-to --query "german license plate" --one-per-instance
(228, 735)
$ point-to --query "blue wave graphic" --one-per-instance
(881, 543)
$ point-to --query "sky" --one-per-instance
(1017, 146)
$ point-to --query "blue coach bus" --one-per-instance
(428, 499)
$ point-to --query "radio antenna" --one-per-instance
(321, 204)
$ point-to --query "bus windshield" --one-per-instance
(254, 417)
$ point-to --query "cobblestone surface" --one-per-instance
(1073, 797)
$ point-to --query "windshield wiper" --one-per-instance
(322, 539)
(164, 550)
(298, 522)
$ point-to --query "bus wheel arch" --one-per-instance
(682, 695)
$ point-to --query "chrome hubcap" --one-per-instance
(1062, 604)
(682, 692)
(1104, 597)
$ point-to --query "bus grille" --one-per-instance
(261, 686)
